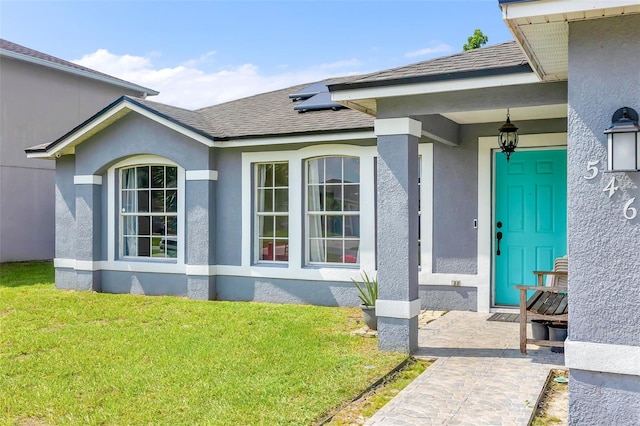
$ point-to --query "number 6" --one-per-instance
(630, 213)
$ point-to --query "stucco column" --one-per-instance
(398, 303)
(87, 231)
(603, 348)
(200, 239)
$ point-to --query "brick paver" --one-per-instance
(479, 377)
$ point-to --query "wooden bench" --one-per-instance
(549, 303)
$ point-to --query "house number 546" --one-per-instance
(611, 188)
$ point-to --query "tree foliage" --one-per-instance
(476, 40)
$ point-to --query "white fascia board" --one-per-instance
(125, 107)
(286, 140)
(562, 7)
(144, 91)
(434, 87)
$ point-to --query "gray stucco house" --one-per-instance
(253, 200)
(42, 97)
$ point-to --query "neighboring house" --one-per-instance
(251, 200)
(41, 98)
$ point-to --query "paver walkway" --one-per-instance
(479, 377)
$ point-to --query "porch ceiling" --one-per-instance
(517, 114)
(542, 27)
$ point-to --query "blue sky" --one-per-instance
(199, 53)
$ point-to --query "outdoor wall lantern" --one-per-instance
(624, 140)
(508, 138)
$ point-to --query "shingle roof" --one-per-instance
(269, 114)
(272, 113)
(498, 58)
(26, 52)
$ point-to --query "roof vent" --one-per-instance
(315, 98)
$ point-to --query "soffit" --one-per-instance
(517, 114)
(542, 28)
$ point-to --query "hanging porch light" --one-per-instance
(508, 137)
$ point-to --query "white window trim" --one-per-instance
(114, 260)
(296, 268)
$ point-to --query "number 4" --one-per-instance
(611, 187)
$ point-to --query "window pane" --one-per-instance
(143, 201)
(334, 198)
(157, 176)
(315, 198)
(144, 246)
(158, 225)
(334, 226)
(351, 170)
(352, 226)
(268, 175)
(316, 226)
(334, 251)
(129, 201)
(144, 225)
(315, 170)
(172, 225)
(130, 225)
(129, 178)
(266, 250)
(282, 226)
(130, 246)
(351, 248)
(334, 170)
(265, 224)
(171, 201)
(282, 174)
(265, 200)
(172, 177)
(281, 200)
(143, 176)
(171, 245)
(316, 250)
(157, 201)
(351, 200)
(282, 250)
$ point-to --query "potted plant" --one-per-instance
(368, 289)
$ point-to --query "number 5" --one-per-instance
(591, 167)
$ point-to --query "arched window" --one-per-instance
(149, 211)
(333, 210)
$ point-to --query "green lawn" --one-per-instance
(87, 358)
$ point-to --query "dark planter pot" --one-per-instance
(559, 334)
(369, 316)
(539, 330)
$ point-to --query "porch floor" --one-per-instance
(479, 376)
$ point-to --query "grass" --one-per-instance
(87, 358)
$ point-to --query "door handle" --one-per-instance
(499, 237)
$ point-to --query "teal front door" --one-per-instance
(530, 223)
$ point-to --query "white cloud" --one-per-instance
(188, 86)
(430, 51)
